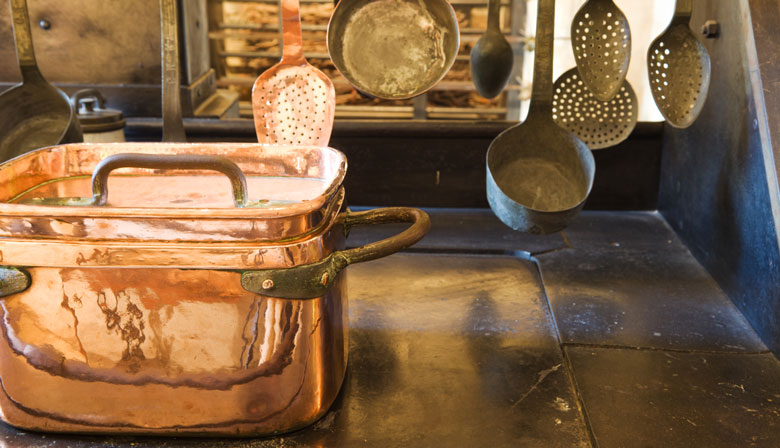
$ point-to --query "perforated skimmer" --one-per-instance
(601, 41)
(293, 102)
(679, 69)
(600, 124)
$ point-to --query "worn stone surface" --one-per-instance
(626, 230)
(628, 280)
(474, 230)
(651, 398)
(719, 188)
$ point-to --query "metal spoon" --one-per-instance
(539, 174)
(34, 113)
(492, 56)
(679, 69)
(601, 41)
(600, 124)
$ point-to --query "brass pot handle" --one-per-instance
(167, 162)
(13, 280)
(313, 280)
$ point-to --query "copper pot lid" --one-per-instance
(290, 193)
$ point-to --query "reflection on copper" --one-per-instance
(166, 351)
(272, 170)
(136, 321)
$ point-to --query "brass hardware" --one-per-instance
(710, 29)
(13, 280)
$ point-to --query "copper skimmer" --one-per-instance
(293, 102)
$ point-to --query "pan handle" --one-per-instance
(24, 45)
(167, 162)
(313, 280)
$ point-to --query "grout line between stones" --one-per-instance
(569, 370)
(663, 349)
(580, 401)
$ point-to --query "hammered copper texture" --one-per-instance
(166, 351)
(150, 209)
(136, 320)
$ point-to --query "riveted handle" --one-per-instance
(313, 280)
(13, 280)
(167, 162)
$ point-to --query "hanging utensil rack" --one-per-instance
(242, 48)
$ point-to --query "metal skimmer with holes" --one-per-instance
(601, 40)
(599, 124)
(293, 102)
(679, 70)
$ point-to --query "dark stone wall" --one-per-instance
(718, 178)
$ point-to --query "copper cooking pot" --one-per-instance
(193, 302)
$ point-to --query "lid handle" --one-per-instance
(84, 94)
(167, 162)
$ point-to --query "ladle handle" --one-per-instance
(173, 127)
(168, 162)
(292, 38)
(683, 9)
(541, 93)
(494, 13)
(23, 39)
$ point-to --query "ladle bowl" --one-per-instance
(393, 49)
(34, 113)
(539, 174)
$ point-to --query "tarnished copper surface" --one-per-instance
(293, 190)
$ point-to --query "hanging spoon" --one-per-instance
(679, 69)
(492, 56)
(601, 41)
(539, 174)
